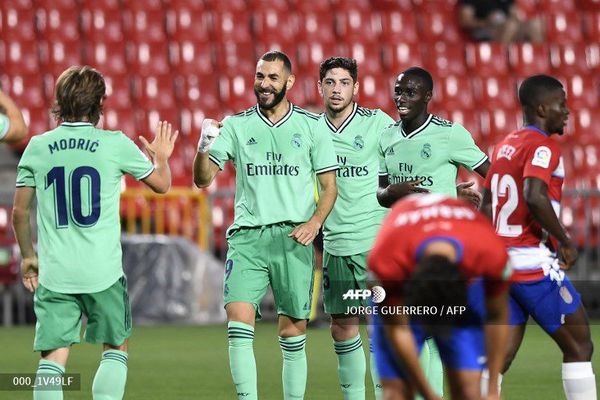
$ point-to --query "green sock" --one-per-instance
(435, 373)
(110, 379)
(294, 366)
(377, 387)
(351, 367)
(44, 390)
(241, 359)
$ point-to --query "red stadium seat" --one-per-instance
(147, 119)
(106, 5)
(118, 92)
(231, 27)
(591, 5)
(367, 56)
(353, 25)
(260, 5)
(154, 92)
(148, 58)
(98, 26)
(236, 57)
(557, 5)
(428, 6)
(492, 92)
(192, 5)
(498, 122)
(398, 27)
(487, 58)
(444, 59)
(38, 120)
(188, 25)
(582, 90)
(582, 123)
(563, 27)
(305, 91)
(436, 26)
(311, 54)
(236, 92)
(17, 24)
(58, 24)
(21, 57)
(591, 26)
(229, 5)
(146, 5)
(304, 7)
(57, 56)
(191, 122)
(120, 120)
(274, 25)
(569, 58)
(392, 5)
(592, 55)
(189, 57)
(346, 5)
(454, 92)
(374, 89)
(316, 27)
(17, 4)
(399, 56)
(529, 59)
(194, 92)
(263, 45)
(27, 90)
(144, 26)
(108, 58)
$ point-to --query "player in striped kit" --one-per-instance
(522, 195)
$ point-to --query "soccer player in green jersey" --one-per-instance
(74, 172)
(12, 125)
(276, 151)
(427, 151)
(351, 227)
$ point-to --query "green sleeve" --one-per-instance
(383, 123)
(322, 152)
(133, 161)
(463, 149)
(223, 147)
(25, 175)
(4, 125)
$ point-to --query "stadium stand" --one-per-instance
(186, 59)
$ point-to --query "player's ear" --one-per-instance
(290, 81)
(428, 96)
(320, 87)
(355, 90)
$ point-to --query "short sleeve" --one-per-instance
(463, 149)
(542, 160)
(383, 171)
(133, 161)
(25, 171)
(322, 153)
(4, 125)
(222, 149)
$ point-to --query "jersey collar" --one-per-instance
(76, 124)
(278, 123)
(418, 130)
(345, 123)
(535, 128)
(451, 240)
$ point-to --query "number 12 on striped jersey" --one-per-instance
(505, 186)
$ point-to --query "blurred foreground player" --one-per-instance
(276, 152)
(522, 195)
(74, 172)
(12, 125)
(425, 256)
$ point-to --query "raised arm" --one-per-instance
(204, 169)
(17, 129)
(306, 232)
(159, 151)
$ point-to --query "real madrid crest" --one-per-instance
(296, 140)
(426, 151)
(359, 143)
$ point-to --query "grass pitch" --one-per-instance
(191, 362)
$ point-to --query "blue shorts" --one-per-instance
(462, 347)
(547, 301)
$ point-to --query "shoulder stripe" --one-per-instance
(306, 113)
(246, 112)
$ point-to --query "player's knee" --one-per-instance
(343, 329)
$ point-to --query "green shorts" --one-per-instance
(266, 255)
(340, 274)
(59, 317)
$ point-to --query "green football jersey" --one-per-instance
(4, 125)
(354, 221)
(433, 152)
(275, 165)
(76, 171)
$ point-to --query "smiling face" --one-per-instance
(271, 83)
(557, 112)
(338, 89)
(411, 96)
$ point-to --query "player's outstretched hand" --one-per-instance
(569, 254)
(210, 131)
(464, 191)
(399, 190)
(29, 271)
(163, 144)
(306, 232)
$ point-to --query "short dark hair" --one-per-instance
(436, 282)
(534, 88)
(349, 64)
(423, 74)
(275, 55)
(79, 93)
